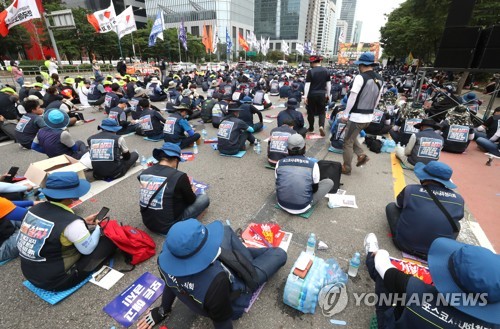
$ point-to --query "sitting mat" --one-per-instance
(5, 261)
(152, 140)
(54, 297)
(305, 215)
(240, 154)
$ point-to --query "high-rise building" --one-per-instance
(281, 20)
(341, 30)
(312, 22)
(326, 28)
(237, 16)
(93, 5)
(357, 31)
(348, 13)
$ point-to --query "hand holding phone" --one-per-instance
(102, 214)
(11, 174)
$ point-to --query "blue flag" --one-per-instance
(183, 36)
(229, 43)
(157, 30)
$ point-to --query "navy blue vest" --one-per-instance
(94, 93)
(172, 130)
(278, 143)
(427, 147)
(105, 154)
(456, 138)
(26, 129)
(294, 182)
(50, 140)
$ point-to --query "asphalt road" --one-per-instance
(241, 190)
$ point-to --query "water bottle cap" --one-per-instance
(356, 254)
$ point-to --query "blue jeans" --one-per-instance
(202, 202)
(488, 146)
(8, 249)
(20, 81)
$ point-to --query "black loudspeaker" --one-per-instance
(460, 13)
(488, 49)
(457, 48)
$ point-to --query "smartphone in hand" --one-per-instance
(102, 213)
(11, 174)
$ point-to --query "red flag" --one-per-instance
(243, 43)
(93, 21)
(207, 37)
(4, 30)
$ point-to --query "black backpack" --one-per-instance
(332, 170)
(376, 146)
(206, 110)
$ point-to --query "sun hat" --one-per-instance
(296, 141)
(6, 206)
(8, 90)
(246, 99)
(366, 58)
(186, 92)
(27, 85)
(292, 103)
(56, 119)
(213, 83)
(436, 171)
(465, 269)
(118, 76)
(34, 98)
(185, 105)
(171, 83)
(233, 107)
(37, 84)
(110, 125)
(170, 149)
(139, 92)
(69, 81)
(427, 122)
(65, 185)
(123, 100)
(469, 97)
(190, 247)
(107, 82)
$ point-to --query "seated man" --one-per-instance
(296, 116)
(380, 124)
(8, 113)
(490, 127)
(460, 273)
(155, 90)
(247, 112)
(416, 219)
(211, 272)
(65, 252)
(11, 216)
(163, 205)
(457, 130)
(261, 100)
(277, 146)
(109, 153)
(12, 191)
(424, 146)
(298, 185)
(29, 125)
(233, 132)
(55, 139)
(491, 145)
(404, 126)
(112, 98)
(119, 114)
(176, 127)
(151, 121)
(219, 110)
(96, 94)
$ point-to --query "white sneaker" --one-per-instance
(79, 123)
(371, 243)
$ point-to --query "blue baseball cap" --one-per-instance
(170, 149)
(65, 185)
(366, 58)
(436, 171)
(190, 247)
(246, 99)
(465, 269)
(56, 119)
(110, 125)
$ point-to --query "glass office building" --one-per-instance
(237, 16)
(120, 5)
(281, 20)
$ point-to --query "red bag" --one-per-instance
(136, 244)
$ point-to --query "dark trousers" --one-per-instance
(127, 130)
(97, 101)
(82, 149)
(185, 142)
(257, 127)
(316, 106)
(84, 266)
(379, 289)
(129, 163)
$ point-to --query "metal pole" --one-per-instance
(133, 46)
(52, 40)
(179, 44)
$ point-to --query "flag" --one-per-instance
(284, 47)
(215, 41)
(207, 38)
(18, 12)
(125, 22)
(183, 36)
(308, 48)
(342, 36)
(104, 20)
(300, 48)
(157, 29)
(229, 43)
(409, 59)
(243, 43)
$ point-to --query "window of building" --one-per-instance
(195, 30)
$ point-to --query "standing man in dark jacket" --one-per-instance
(316, 93)
(175, 200)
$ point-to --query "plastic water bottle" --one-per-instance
(354, 265)
(30, 195)
(41, 197)
(195, 148)
(311, 244)
(144, 164)
(204, 134)
(258, 148)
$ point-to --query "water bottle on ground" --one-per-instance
(204, 134)
(354, 265)
(41, 197)
(311, 244)
(195, 148)
(258, 148)
(144, 164)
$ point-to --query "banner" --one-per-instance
(229, 43)
(183, 36)
(18, 12)
(243, 43)
(207, 38)
(215, 41)
(300, 49)
(104, 20)
(350, 52)
(125, 22)
(284, 47)
(157, 29)
(308, 48)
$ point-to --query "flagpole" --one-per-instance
(133, 46)
(119, 42)
(179, 44)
